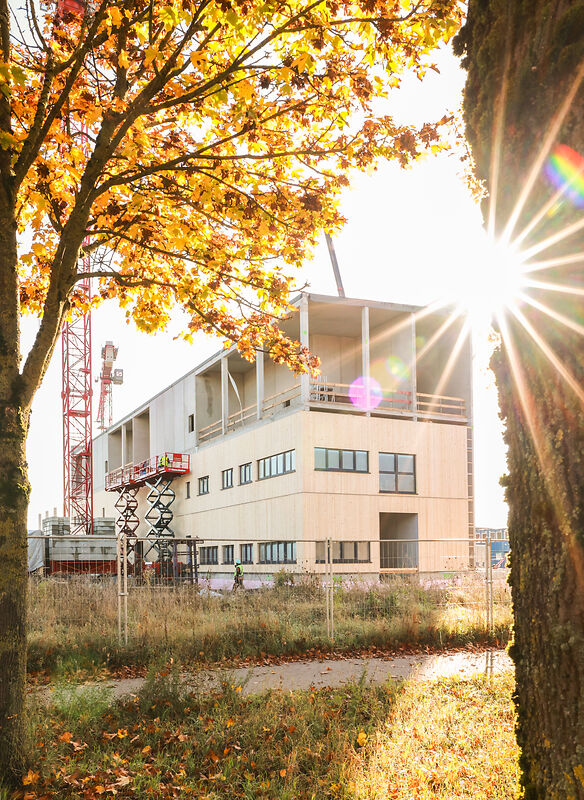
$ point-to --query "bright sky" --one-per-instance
(412, 236)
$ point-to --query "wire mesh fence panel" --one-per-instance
(158, 594)
(72, 594)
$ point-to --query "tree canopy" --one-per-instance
(197, 149)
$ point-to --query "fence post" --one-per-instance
(330, 620)
(489, 583)
(122, 553)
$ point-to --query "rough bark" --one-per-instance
(14, 493)
(524, 59)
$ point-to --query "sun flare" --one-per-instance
(492, 282)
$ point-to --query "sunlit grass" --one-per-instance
(449, 739)
(444, 740)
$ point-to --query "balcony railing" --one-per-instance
(325, 394)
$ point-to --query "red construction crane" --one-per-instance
(108, 376)
(76, 393)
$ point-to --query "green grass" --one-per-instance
(446, 740)
(73, 623)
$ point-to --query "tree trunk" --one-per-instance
(14, 494)
(525, 67)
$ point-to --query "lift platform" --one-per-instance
(165, 465)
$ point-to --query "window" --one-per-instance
(204, 485)
(191, 423)
(328, 458)
(397, 473)
(188, 485)
(278, 553)
(279, 464)
(245, 473)
(227, 478)
(106, 468)
(228, 554)
(246, 553)
(345, 552)
(208, 555)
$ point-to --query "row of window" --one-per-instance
(269, 553)
(397, 471)
(285, 553)
(270, 467)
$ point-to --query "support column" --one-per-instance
(414, 370)
(365, 358)
(224, 395)
(195, 414)
(304, 341)
(124, 462)
(259, 384)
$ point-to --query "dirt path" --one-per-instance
(328, 672)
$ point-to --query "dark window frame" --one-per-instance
(344, 557)
(397, 473)
(245, 468)
(228, 558)
(246, 553)
(227, 478)
(209, 555)
(341, 451)
(188, 487)
(287, 460)
(203, 485)
(191, 423)
(288, 552)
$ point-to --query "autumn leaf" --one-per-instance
(66, 736)
(361, 739)
(282, 773)
(230, 722)
(30, 778)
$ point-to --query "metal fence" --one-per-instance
(168, 590)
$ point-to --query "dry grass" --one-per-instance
(445, 740)
(450, 739)
(73, 623)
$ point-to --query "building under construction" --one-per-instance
(373, 456)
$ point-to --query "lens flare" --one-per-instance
(564, 169)
(365, 393)
(397, 368)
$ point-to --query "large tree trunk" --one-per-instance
(524, 59)
(14, 493)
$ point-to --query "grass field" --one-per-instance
(73, 623)
(444, 740)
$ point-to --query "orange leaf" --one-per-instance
(99, 789)
(230, 722)
(30, 777)
(282, 773)
(66, 737)
(213, 756)
(146, 749)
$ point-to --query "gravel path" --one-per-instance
(329, 672)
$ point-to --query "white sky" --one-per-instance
(412, 236)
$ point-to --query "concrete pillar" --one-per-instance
(259, 383)
(365, 358)
(304, 341)
(414, 369)
(194, 406)
(224, 395)
(123, 444)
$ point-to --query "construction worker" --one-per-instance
(238, 576)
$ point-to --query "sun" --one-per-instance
(491, 282)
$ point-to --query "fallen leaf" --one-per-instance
(362, 738)
(30, 777)
(282, 773)
(66, 737)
